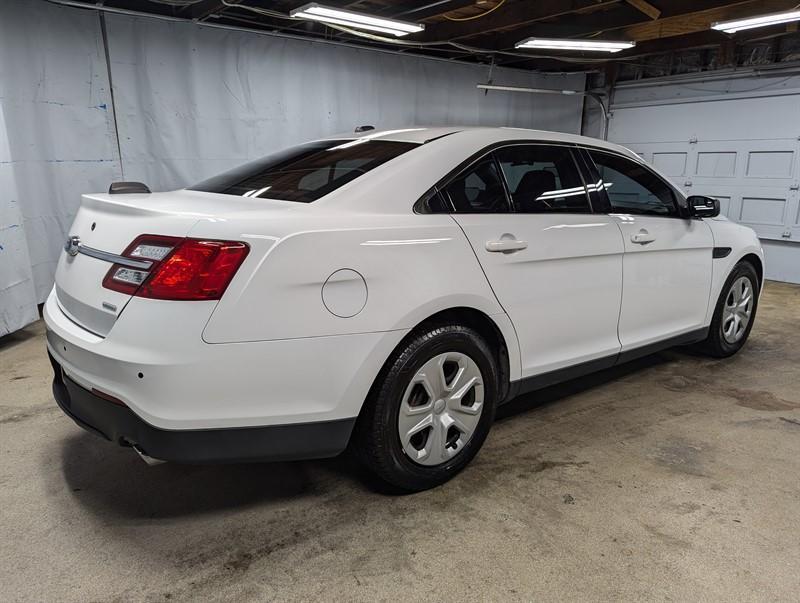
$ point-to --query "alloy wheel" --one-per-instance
(738, 310)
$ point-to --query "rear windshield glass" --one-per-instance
(306, 172)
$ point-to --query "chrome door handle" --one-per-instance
(506, 246)
(642, 237)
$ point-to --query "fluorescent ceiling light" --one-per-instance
(740, 24)
(337, 16)
(593, 45)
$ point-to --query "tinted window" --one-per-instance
(543, 179)
(307, 172)
(632, 188)
(433, 203)
(479, 189)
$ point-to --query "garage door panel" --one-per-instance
(755, 181)
(744, 152)
(716, 164)
(671, 163)
(763, 211)
(761, 118)
(770, 164)
(673, 159)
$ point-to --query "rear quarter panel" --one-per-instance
(413, 266)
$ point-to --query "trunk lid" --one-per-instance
(108, 224)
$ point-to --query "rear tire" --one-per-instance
(734, 314)
(430, 410)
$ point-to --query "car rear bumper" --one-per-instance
(154, 361)
(119, 424)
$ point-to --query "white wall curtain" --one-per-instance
(57, 143)
(190, 101)
(17, 293)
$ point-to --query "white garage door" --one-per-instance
(743, 151)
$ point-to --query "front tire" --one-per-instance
(734, 314)
(430, 410)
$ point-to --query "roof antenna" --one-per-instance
(364, 129)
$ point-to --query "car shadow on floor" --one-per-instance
(113, 481)
(16, 338)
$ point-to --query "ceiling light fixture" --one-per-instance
(592, 45)
(337, 16)
(762, 21)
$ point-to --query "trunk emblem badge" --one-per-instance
(72, 246)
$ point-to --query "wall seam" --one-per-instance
(104, 34)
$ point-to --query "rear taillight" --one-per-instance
(195, 270)
(148, 250)
(177, 269)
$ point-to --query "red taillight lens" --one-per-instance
(195, 270)
(190, 269)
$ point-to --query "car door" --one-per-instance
(668, 258)
(555, 267)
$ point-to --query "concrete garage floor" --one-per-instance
(674, 478)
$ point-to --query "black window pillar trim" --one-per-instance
(591, 174)
(506, 190)
(602, 192)
(575, 153)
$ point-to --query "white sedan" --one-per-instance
(385, 290)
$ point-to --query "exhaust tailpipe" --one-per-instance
(147, 459)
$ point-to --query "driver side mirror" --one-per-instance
(702, 207)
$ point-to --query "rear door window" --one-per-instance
(306, 172)
(479, 190)
(543, 179)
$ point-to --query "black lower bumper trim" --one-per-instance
(121, 425)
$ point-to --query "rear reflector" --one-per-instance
(183, 269)
(108, 397)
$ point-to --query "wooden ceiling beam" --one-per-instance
(683, 17)
(645, 7)
(577, 26)
(708, 38)
(699, 39)
(697, 21)
(512, 16)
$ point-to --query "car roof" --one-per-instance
(489, 135)
(417, 134)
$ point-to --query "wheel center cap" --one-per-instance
(438, 406)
